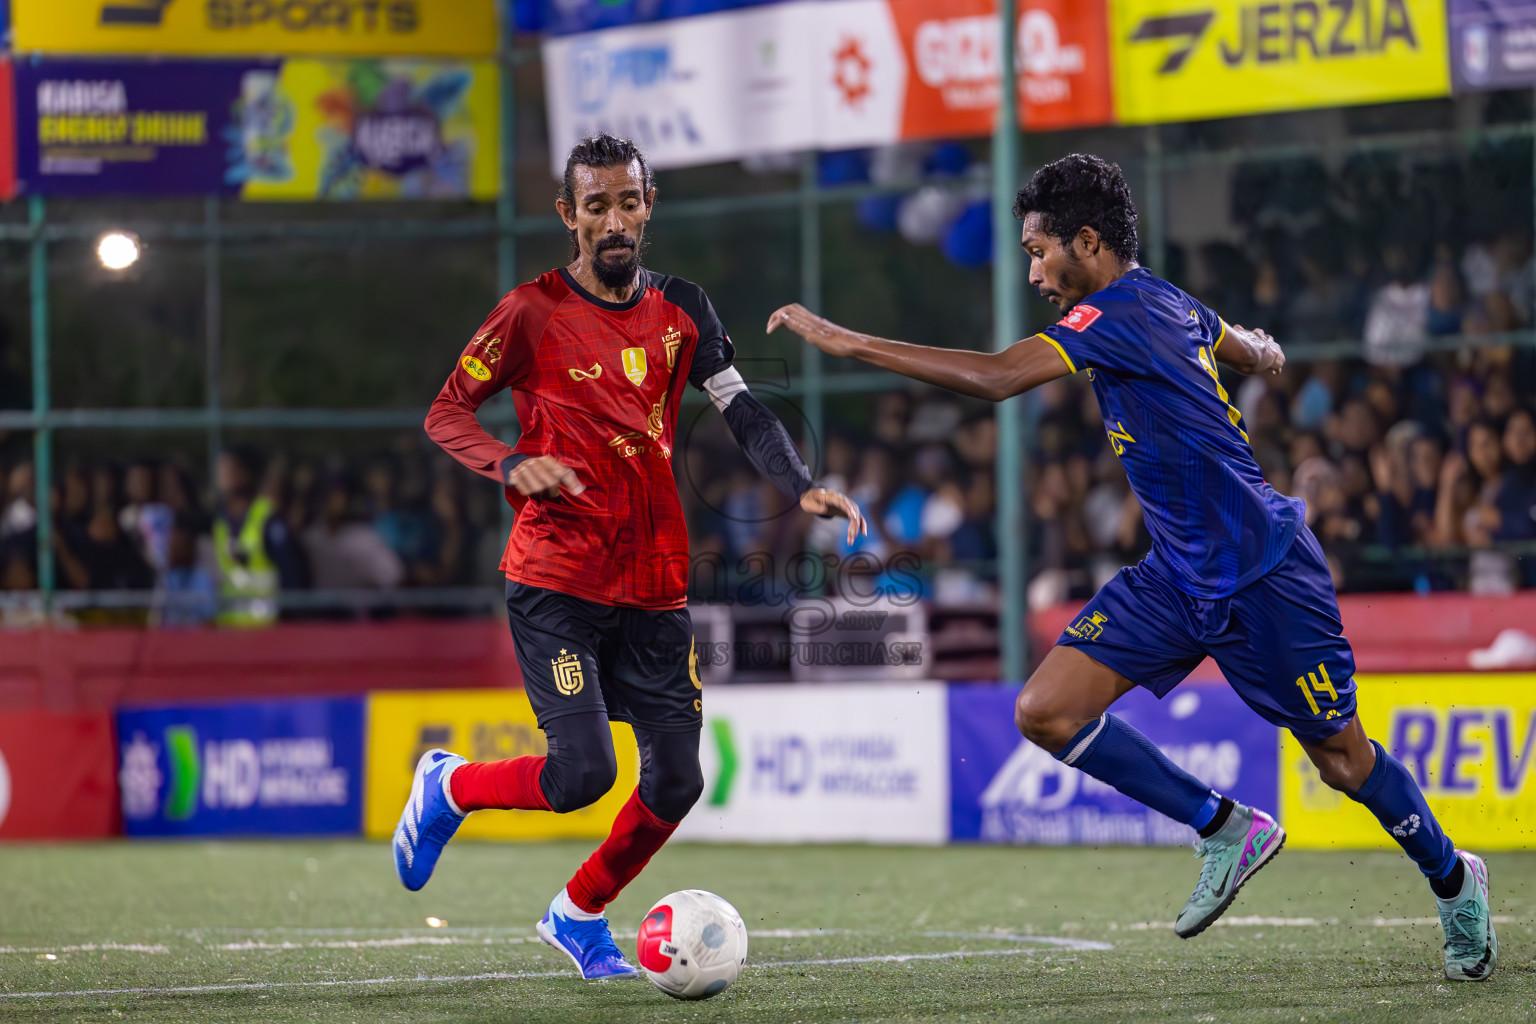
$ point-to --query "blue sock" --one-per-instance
(1391, 794)
(1114, 753)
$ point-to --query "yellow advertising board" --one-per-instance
(1469, 740)
(1178, 60)
(422, 28)
(482, 725)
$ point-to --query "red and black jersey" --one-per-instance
(597, 386)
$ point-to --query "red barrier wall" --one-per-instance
(98, 669)
(1389, 632)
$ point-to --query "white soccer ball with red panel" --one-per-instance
(692, 944)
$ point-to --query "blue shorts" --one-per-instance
(1278, 641)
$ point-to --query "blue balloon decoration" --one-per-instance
(968, 242)
(878, 213)
(948, 158)
(844, 167)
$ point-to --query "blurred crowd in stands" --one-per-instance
(268, 526)
(1417, 460)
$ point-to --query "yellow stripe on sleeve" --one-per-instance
(1071, 366)
(1220, 336)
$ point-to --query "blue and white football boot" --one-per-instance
(429, 820)
(1471, 947)
(588, 943)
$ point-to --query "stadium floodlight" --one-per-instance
(118, 250)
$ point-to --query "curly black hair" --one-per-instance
(1082, 190)
(602, 150)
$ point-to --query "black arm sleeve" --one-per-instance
(756, 429)
(767, 444)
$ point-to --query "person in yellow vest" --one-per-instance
(256, 551)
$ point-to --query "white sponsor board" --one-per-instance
(721, 86)
(856, 762)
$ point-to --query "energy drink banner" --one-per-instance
(832, 75)
(280, 130)
(1179, 60)
(1005, 789)
(209, 27)
(292, 767)
(1469, 741)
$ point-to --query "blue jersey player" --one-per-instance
(1234, 573)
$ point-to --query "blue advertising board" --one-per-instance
(283, 767)
(1492, 42)
(1004, 789)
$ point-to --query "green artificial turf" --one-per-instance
(287, 931)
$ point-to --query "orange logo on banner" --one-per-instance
(951, 46)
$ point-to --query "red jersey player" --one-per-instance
(596, 355)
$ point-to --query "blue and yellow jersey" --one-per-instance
(1150, 351)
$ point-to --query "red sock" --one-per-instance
(637, 835)
(510, 785)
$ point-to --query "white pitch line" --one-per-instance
(534, 975)
(404, 940)
(90, 947)
(1255, 921)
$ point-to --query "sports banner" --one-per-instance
(288, 767)
(281, 130)
(232, 27)
(1177, 60)
(1007, 790)
(865, 763)
(1470, 742)
(833, 75)
(482, 725)
(1493, 43)
(57, 776)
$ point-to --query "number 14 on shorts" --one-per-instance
(1310, 683)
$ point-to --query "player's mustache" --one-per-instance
(615, 242)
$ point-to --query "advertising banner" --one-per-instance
(57, 776)
(951, 49)
(425, 28)
(1467, 739)
(833, 75)
(482, 725)
(290, 767)
(1493, 43)
(282, 130)
(863, 763)
(1176, 60)
(1007, 790)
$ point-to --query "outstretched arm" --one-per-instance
(990, 375)
(1248, 351)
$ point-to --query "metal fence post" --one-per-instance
(213, 332)
(1008, 325)
(813, 400)
(42, 440)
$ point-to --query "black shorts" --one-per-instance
(636, 664)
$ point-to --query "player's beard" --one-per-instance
(1073, 281)
(615, 274)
